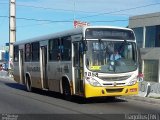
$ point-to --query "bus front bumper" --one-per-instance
(91, 91)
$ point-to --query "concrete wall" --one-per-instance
(149, 89)
(144, 20)
(150, 53)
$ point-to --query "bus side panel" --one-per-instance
(36, 76)
(34, 70)
(54, 76)
(16, 72)
(57, 70)
(66, 71)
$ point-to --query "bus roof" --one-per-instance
(64, 33)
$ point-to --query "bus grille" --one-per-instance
(113, 84)
(114, 90)
(115, 78)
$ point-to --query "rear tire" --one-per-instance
(28, 84)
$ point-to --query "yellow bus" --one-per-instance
(81, 62)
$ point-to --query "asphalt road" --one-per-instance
(15, 100)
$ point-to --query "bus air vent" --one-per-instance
(114, 78)
(114, 90)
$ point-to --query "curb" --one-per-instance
(143, 99)
(7, 77)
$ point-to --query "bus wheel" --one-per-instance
(66, 90)
(28, 84)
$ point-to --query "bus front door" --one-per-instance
(78, 68)
(44, 67)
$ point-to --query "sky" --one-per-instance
(40, 17)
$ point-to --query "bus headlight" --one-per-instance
(93, 82)
(132, 82)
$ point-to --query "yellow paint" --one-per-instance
(91, 91)
(95, 68)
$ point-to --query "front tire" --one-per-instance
(66, 91)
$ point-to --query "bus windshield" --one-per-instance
(111, 56)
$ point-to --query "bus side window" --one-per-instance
(16, 54)
(28, 52)
(54, 52)
(35, 51)
(66, 48)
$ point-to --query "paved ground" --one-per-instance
(152, 97)
(15, 100)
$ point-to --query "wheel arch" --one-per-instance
(27, 74)
(65, 78)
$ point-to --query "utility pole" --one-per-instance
(12, 28)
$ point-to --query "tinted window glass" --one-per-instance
(16, 53)
(60, 49)
(54, 50)
(139, 36)
(150, 36)
(35, 51)
(27, 52)
(66, 48)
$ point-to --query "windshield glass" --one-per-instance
(111, 56)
